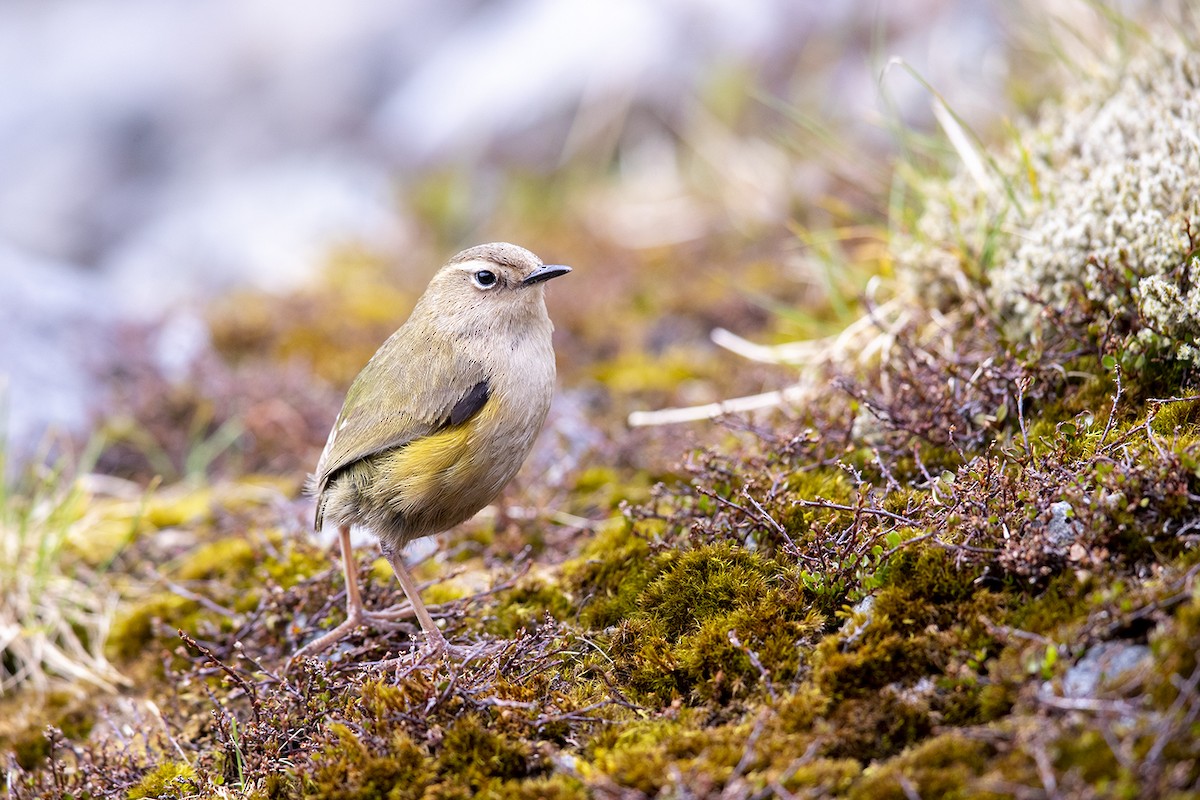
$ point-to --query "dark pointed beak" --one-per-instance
(545, 273)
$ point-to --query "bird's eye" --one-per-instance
(484, 279)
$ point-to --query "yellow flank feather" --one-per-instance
(416, 471)
(433, 470)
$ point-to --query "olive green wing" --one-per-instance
(407, 390)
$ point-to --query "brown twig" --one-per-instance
(878, 512)
(241, 682)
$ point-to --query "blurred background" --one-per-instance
(155, 154)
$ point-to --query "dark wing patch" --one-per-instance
(470, 405)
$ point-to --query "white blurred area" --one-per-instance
(154, 152)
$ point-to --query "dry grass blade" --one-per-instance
(54, 611)
(871, 336)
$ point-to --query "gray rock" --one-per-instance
(1111, 666)
(857, 623)
(1063, 529)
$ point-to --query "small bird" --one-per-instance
(441, 417)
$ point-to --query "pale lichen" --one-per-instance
(1100, 220)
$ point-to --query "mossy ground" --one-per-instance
(699, 637)
(890, 591)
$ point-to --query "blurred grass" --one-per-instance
(54, 608)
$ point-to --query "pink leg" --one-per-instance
(354, 603)
(434, 640)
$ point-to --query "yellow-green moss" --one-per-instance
(718, 659)
(945, 766)
(296, 564)
(333, 327)
(230, 557)
(525, 607)
(171, 779)
(551, 787)
(347, 770)
(822, 777)
(133, 628)
(608, 576)
(928, 611)
(1177, 419)
(472, 755)
(699, 584)
(603, 487)
(641, 756)
(701, 618)
(176, 508)
(637, 372)
(1177, 650)
(1086, 754)
(797, 711)
(1063, 601)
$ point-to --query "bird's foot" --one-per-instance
(376, 620)
(433, 653)
(393, 613)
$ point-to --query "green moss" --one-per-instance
(798, 711)
(1086, 754)
(233, 556)
(704, 583)
(1064, 600)
(658, 757)
(696, 630)
(473, 755)
(930, 575)
(297, 564)
(348, 770)
(603, 487)
(645, 661)
(637, 371)
(134, 628)
(872, 728)
(772, 627)
(608, 577)
(643, 755)
(974, 701)
(822, 777)
(945, 766)
(525, 608)
(442, 592)
(881, 658)
(30, 748)
(927, 613)
(332, 326)
(827, 483)
(1177, 651)
(1177, 419)
(995, 700)
(172, 510)
(172, 779)
(551, 787)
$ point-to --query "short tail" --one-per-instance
(314, 488)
